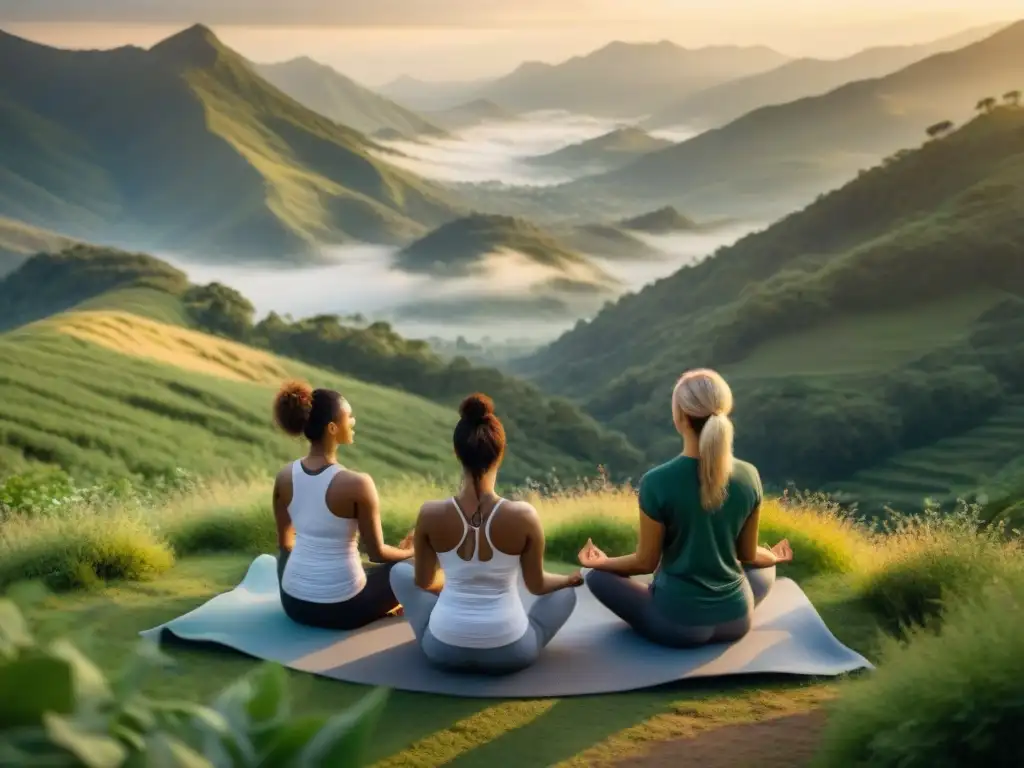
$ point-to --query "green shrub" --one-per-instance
(250, 530)
(68, 714)
(953, 698)
(81, 550)
(824, 540)
(922, 563)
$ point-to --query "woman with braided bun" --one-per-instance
(699, 517)
(322, 510)
(482, 542)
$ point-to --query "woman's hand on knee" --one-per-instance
(783, 552)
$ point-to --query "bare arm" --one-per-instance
(539, 581)
(426, 563)
(646, 557)
(361, 490)
(747, 550)
(281, 499)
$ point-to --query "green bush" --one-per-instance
(953, 698)
(924, 562)
(250, 530)
(81, 550)
(68, 714)
(565, 540)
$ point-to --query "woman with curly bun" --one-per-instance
(322, 509)
(699, 519)
(482, 542)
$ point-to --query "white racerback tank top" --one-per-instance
(480, 606)
(324, 566)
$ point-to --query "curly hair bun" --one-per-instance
(476, 408)
(292, 406)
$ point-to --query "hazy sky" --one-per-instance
(377, 40)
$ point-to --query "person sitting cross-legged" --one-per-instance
(477, 622)
(699, 519)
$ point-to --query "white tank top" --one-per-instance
(324, 566)
(480, 606)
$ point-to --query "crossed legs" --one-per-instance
(547, 615)
(633, 602)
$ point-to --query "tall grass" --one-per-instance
(952, 698)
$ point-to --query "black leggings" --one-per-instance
(632, 601)
(374, 602)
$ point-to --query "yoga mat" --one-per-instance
(595, 652)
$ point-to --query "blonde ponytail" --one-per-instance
(715, 460)
(703, 396)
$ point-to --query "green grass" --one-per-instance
(88, 409)
(964, 687)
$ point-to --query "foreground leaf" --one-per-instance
(342, 742)
(33, 686)
(93, 750)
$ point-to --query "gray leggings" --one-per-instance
(632, 601)
(547, 615)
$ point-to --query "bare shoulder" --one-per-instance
(283, 480)
(521, 511)
(354, 483)
(434, 509)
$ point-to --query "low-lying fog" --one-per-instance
(497, 150)
(493, 303)
(363, 280)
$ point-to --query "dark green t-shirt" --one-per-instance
(700, 579)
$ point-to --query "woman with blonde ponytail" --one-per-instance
(699, 519)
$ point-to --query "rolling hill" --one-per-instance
(602, 153)
(852, 331)
(626, 79)
(663, 220)
(18, 241)
(342, 99)
(111, 359)
(607, 240)
(779, 158)
(183, 147)
(799, 79)
(463, 246)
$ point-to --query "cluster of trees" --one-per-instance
(985, 105)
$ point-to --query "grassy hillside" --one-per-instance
(342, 99)
(773, 160)
(18, 241)
(626, 79)
(183, 147)
(853, 330)
(603, 153)
(96, 306)
(801, 78)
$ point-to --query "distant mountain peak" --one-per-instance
(196, 46)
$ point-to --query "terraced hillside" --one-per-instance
(948, 469)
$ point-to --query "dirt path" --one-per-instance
(779, 742)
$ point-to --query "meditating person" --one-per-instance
(322, 510)
(699, 518)
(477, 622)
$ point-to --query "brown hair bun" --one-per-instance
(292, 406)
(476, 408)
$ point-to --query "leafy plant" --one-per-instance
(64, 712)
